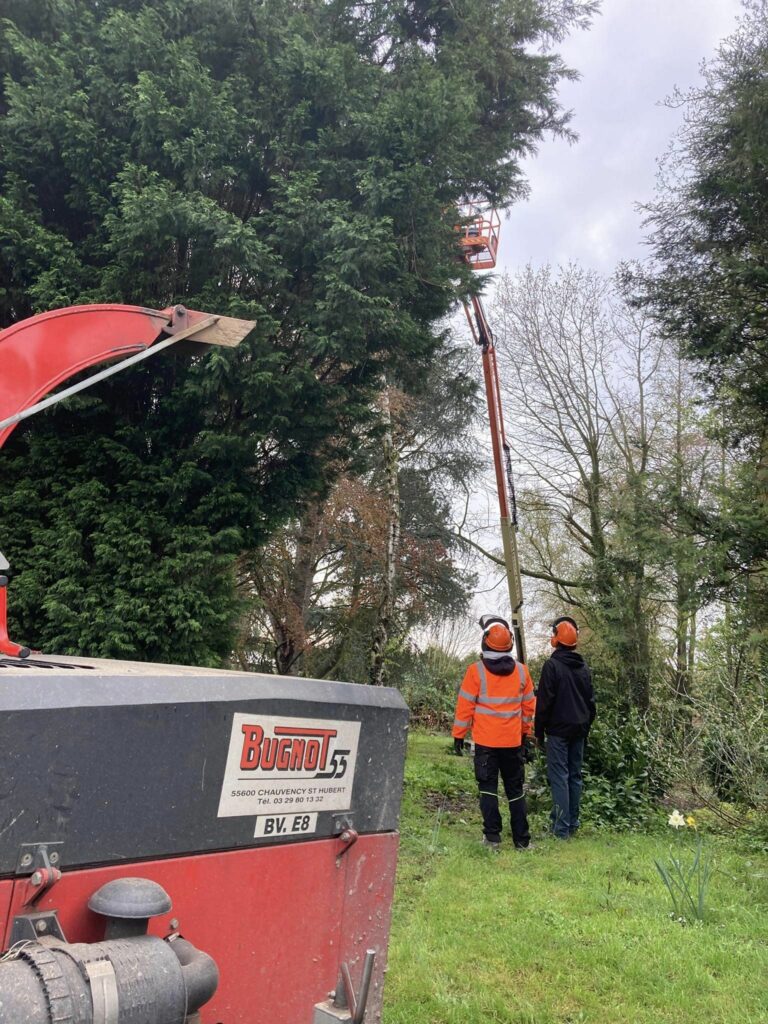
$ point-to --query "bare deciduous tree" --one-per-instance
(598, 423)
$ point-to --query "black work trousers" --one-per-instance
(510, 763)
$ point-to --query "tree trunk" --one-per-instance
(683, 640)
(640, 654)
(385, 612)
(291, 628)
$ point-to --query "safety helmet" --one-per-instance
(565, 632)
(496, 633)
(498, 638)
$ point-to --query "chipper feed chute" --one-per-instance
(180, 845)
(39, 354)
(190, 846)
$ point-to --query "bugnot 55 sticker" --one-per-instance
(286, 765)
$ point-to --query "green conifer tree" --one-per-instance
(295, 163)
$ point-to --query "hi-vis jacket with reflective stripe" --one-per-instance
(498, 709)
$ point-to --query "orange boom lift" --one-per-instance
(479, 239)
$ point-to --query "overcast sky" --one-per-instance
(583, 195)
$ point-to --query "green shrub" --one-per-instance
(735, 758)
(755, 835)
(622, 773)
(429, 683)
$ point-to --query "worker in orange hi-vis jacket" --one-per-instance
(496, 701)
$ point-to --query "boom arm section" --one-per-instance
(502, 462)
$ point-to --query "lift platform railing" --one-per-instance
(479, 236)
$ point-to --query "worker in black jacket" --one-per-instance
(565, 710)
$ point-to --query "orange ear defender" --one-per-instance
(565, 632)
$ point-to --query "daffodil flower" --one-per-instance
(676, 820)
(690, 821)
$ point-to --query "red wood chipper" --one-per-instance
(183, 845)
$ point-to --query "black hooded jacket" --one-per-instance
(565, 701)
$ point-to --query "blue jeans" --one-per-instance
(564, 761)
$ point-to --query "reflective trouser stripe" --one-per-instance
(458, 722)
(485, 792)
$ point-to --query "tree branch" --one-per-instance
(477, 547)
(547, 577)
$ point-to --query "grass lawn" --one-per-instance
(568, 932)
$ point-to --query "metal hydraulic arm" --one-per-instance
(44, 351)
(502, 463)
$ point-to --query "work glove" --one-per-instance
(458, 748)
(528, 749)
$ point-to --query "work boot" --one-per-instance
(493, 843)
